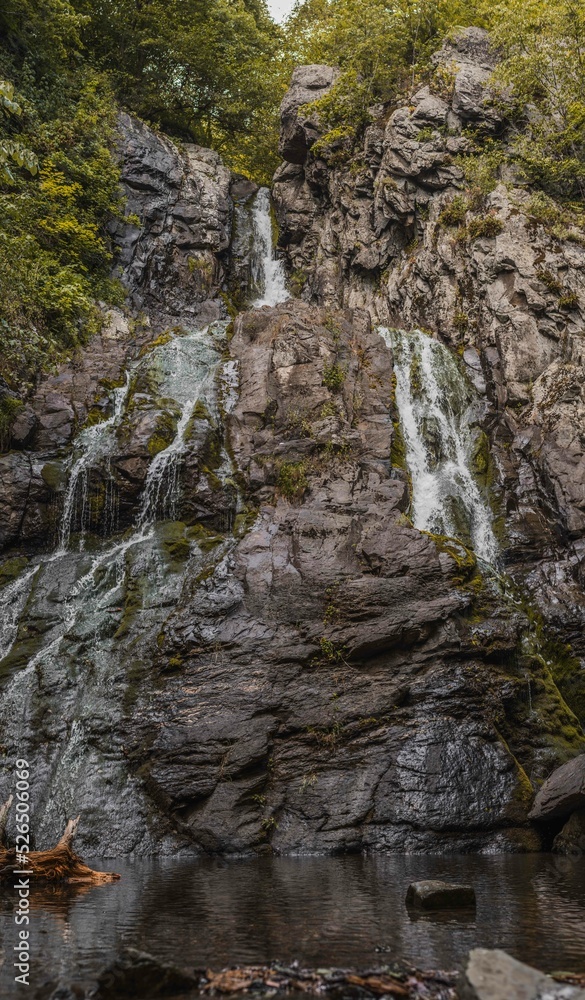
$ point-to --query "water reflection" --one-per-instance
(322, 911)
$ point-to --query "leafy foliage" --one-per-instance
(208, 71)
(54, 252)
(381, 49)
(544, 65)
(11, 151)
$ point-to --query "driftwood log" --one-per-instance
(59, 864)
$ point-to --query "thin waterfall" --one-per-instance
(13, 598)
(92, 444)
(268, 275)
(188, 365)
(161, 489)
(434, 403)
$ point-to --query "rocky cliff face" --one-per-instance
(400, 232)
(237, 640)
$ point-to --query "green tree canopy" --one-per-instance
(206, 70)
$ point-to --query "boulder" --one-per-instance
(571, 839)
(298, 131)
(432, 894)
(562, 792)
(494, 975)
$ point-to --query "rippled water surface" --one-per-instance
(322, 911)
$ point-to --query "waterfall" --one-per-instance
(268, 275)
(93, 443)
(96, 601)
(435, 406)
(188, 366)
(14, 597)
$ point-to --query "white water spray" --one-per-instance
(93, 443)
(434, 405)
(268, 273)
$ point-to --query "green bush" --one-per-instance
(55, 256)
(454, 213)
(489, 226)
(292, 480)
(334, 376)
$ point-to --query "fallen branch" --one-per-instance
(58, 864)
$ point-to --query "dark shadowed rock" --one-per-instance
(435, 895)
(170, 252)
(571, 839)
(494, 975)
(137, 974)
(300, 131)
(562, 792)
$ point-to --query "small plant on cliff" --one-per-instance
(488, 226)
(454, 213)
(552, 283)
(292, 480)
(569, 301)
(334, 376)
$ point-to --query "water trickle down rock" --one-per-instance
(268, 273)
(86, 605)
(94, 443)
(435, 406)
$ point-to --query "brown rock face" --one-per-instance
(392, 233)
(275, 658)
(333, 692)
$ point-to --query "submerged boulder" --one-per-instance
(432, 894)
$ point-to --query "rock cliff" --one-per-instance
(236, 639)
(491, 269)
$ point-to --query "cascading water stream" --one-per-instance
(83, 598)
(93, 443)
(434, 403)
(187, 366)
(268, 273)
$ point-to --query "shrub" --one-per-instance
(334, 376)
(454, 213)
(292, 480)
(489, 226)
(55, 255)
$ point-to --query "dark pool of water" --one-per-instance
(322, 911)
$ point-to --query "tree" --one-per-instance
(543, 48)
(12, 151)
(204, 70)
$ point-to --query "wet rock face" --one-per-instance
(285, 663)
(391, 232)
(330, 694)
(171, 253)
(172, 257)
